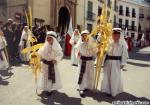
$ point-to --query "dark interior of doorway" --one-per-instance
(64, 19)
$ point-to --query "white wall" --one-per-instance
(15, 6)
(41, 9)
(3, 13)
(80, 15)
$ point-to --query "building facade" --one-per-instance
(89, 10)
(126, 14)
(62, 11)
(128, 17)
(144, 20)
(12, 9)
(56, 13)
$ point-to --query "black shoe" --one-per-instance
(109, 95)
(82, 94)
(48, 93)
(86, 90)
(74, 65)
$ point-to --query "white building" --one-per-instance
(89, 10)
(128, 17)
(144, 20)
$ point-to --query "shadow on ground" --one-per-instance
(102, 97)
(18, 64)
(3, 82)
(58, 98)
(4, 75)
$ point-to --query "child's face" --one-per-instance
(76, 33)
(50, 40)
(116, 37)
(26, 29)
(84, 38)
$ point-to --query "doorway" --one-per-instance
(64, 19)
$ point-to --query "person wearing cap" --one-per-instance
(24, 43)
(86, 55)
(10, 21)
(50, 53)
(115, 60)
(73, 41)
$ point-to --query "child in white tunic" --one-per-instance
(73, 41)
(115, 60)
(4, 65)
(51, 53)
(86, 56)
(24, 43)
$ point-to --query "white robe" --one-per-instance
(3, 63)
(88, 77)
(73, 39)
(43, 83)
(24, 36)
(112, 80)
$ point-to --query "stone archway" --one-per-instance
(57, 6)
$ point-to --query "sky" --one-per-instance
(138, 0)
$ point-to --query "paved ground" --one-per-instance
(18, 88)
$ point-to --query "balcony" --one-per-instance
(148, 30)
(133, 28)
(129, 27)
(139, 28)
(109, 4)
(116, 8)
(91, 16)
(141, 16)
(134, 15)
(148, 18)
(127, 13)
(122, 26)
(116, 24)
(121, 12)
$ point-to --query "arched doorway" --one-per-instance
(63, 24)
(64, 19)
